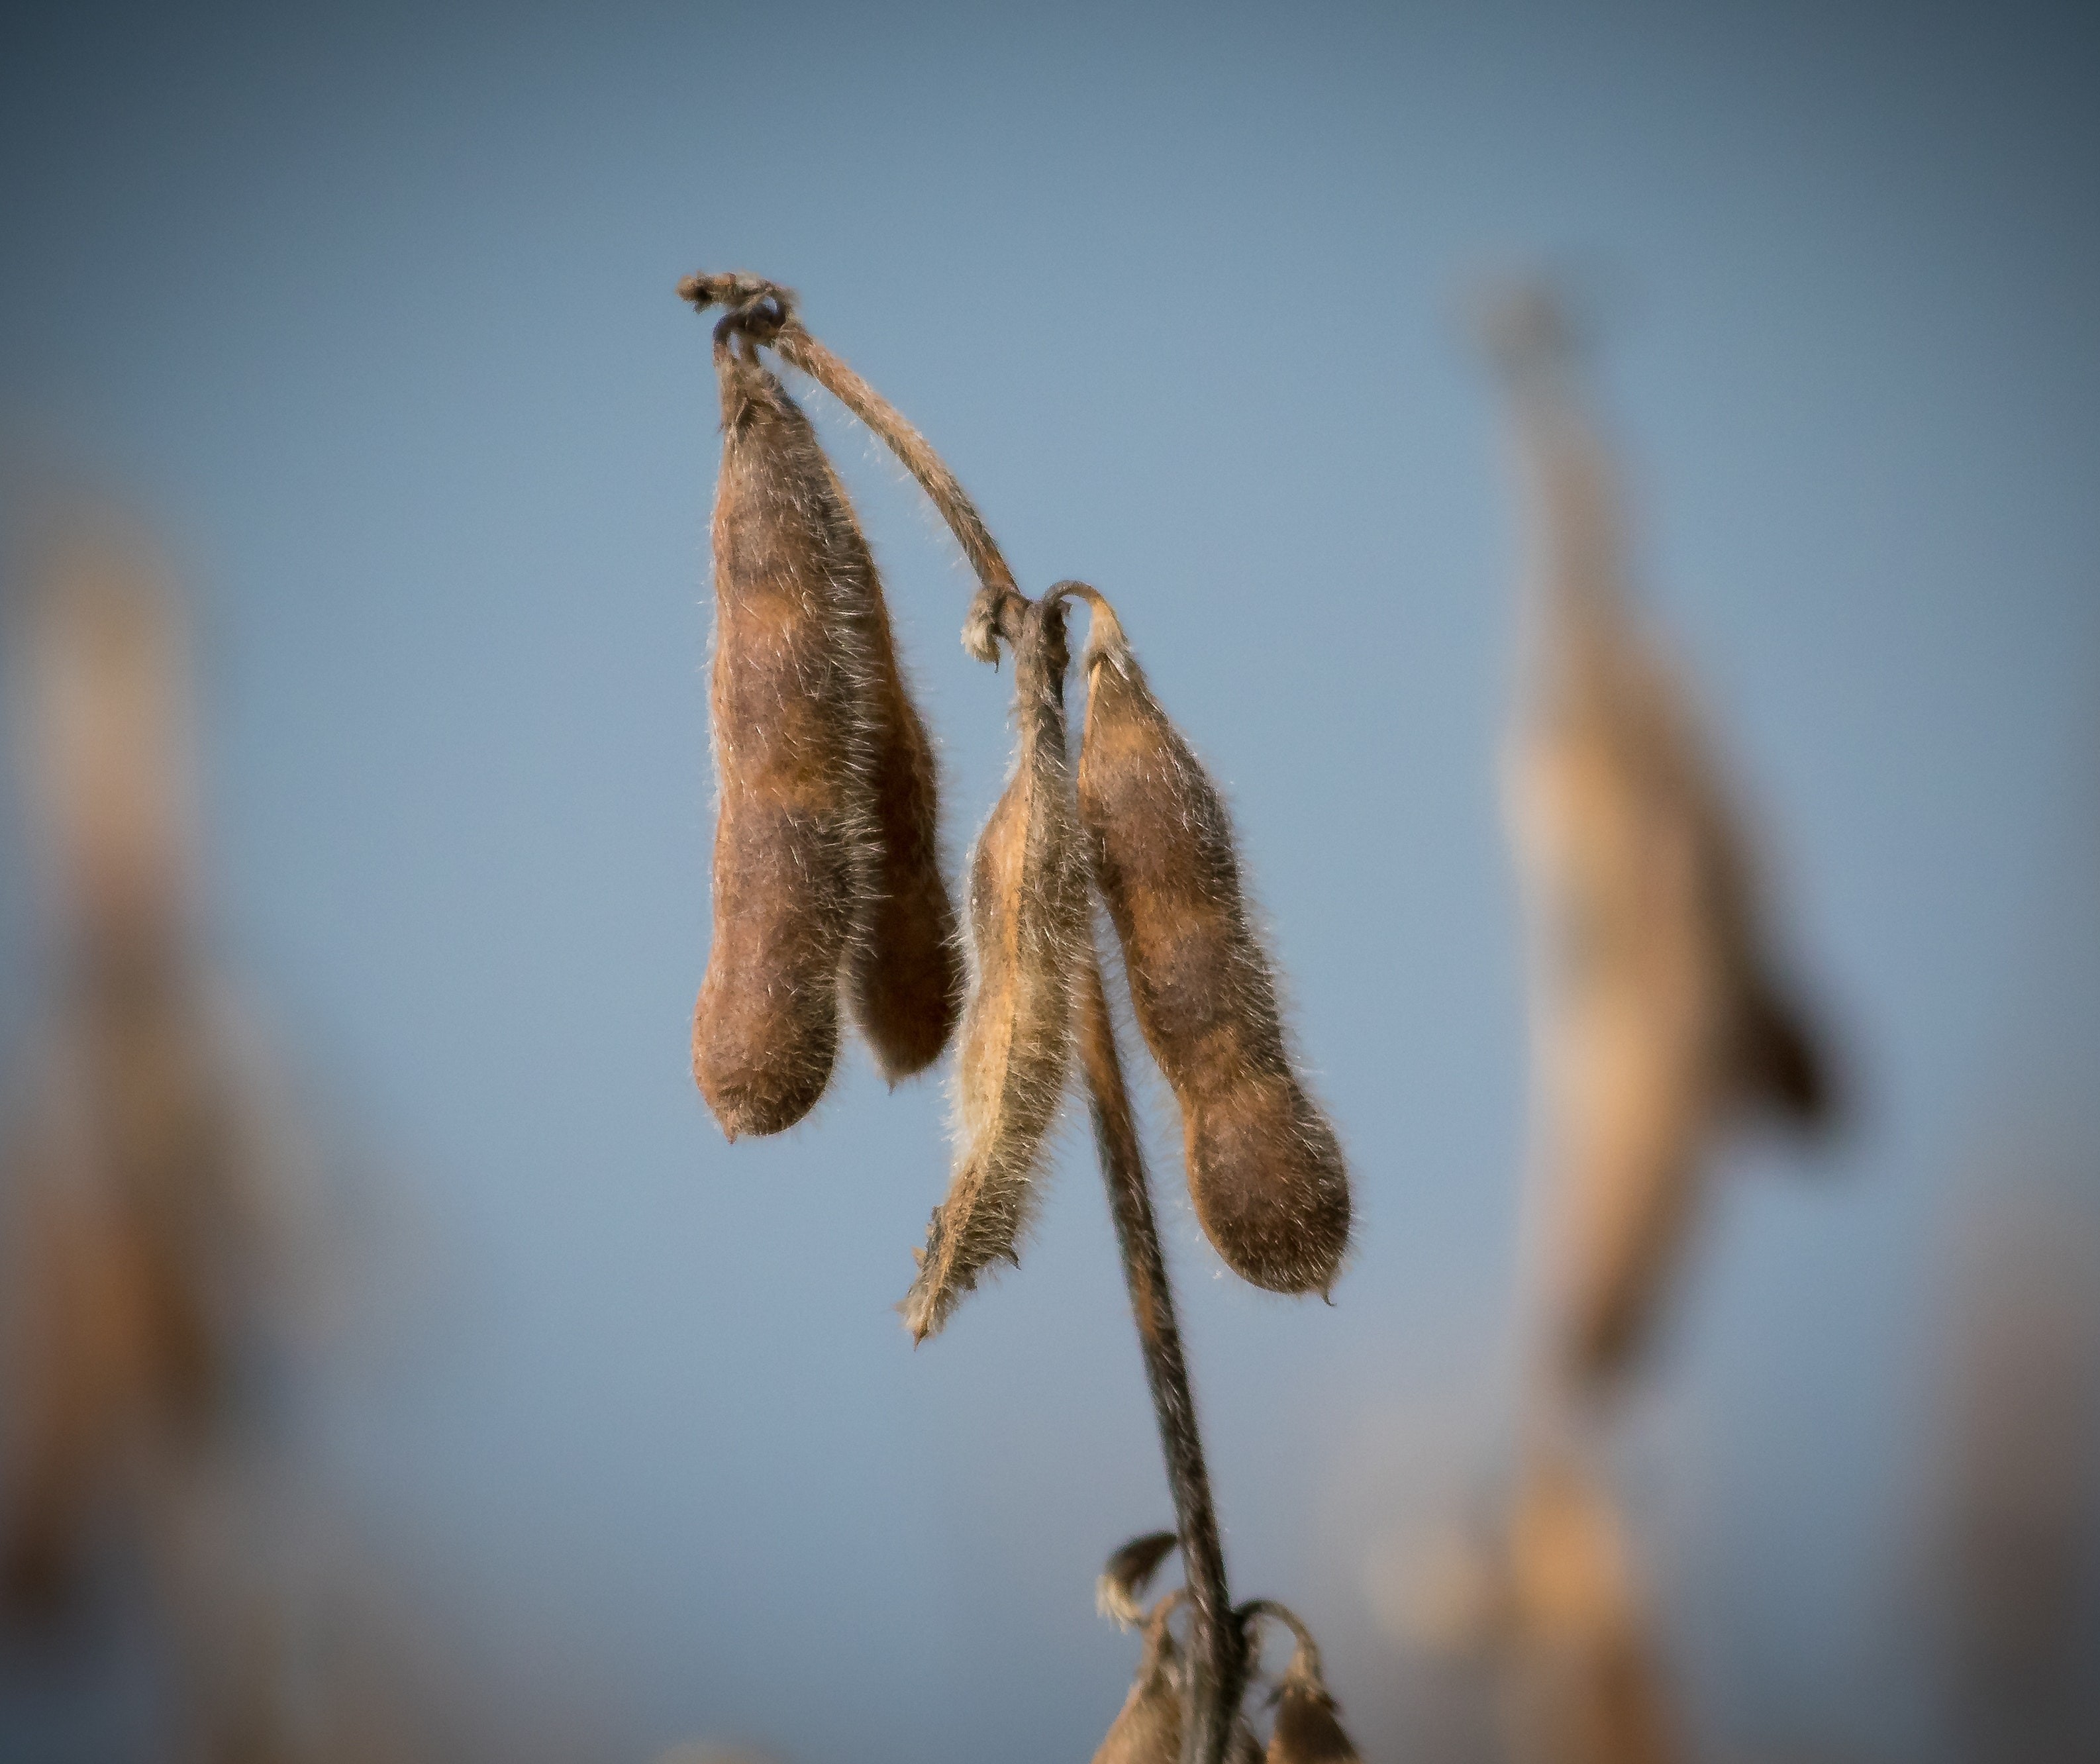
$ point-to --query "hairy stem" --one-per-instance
(800, 350)
(1216, 1653)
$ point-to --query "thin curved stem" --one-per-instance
(1216, 1655)
(1307, 1648)
(799, 348)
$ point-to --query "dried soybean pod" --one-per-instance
(1264, 1167)
(1309, 1724)
(794, 853)
(1147, 1729)
(906, 986)
(907, 982)
(1028, 922)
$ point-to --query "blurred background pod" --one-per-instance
(1658, 1017)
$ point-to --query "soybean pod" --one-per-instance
(794, 858)
(1028, 924)
(1265, 1169)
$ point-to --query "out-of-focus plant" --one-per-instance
(1659, 1019)
(149, 1213)
(829, 900)
(2013, 1561)
(162, 1254)
(1659, 1015)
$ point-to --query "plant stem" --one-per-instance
(798, 347)
(1216, 1653)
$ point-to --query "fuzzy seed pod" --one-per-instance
(1028, 927)
(1659, 1016)
(1127, 1573)
(796, 858)
(906, 986)
(1308, 1726)
(1147, 1729)
(1264, 1167)
(904, 972)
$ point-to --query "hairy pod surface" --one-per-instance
(1265, 1169)
(1028, 927)
(907, 984)
(1147, 1729)
(1308, 1725)
(796, 857)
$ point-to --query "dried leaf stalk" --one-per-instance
(769, 312)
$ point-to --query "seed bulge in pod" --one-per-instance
(794, 860)
(1028, 926)
(1264, 1167)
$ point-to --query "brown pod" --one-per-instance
(1028, 927)
(906, 986)
(1264, 1167)
(794, 853)
(1658, 1013)
(1308, 1725)
(1147, 1729)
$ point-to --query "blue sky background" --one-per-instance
(371, 309)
